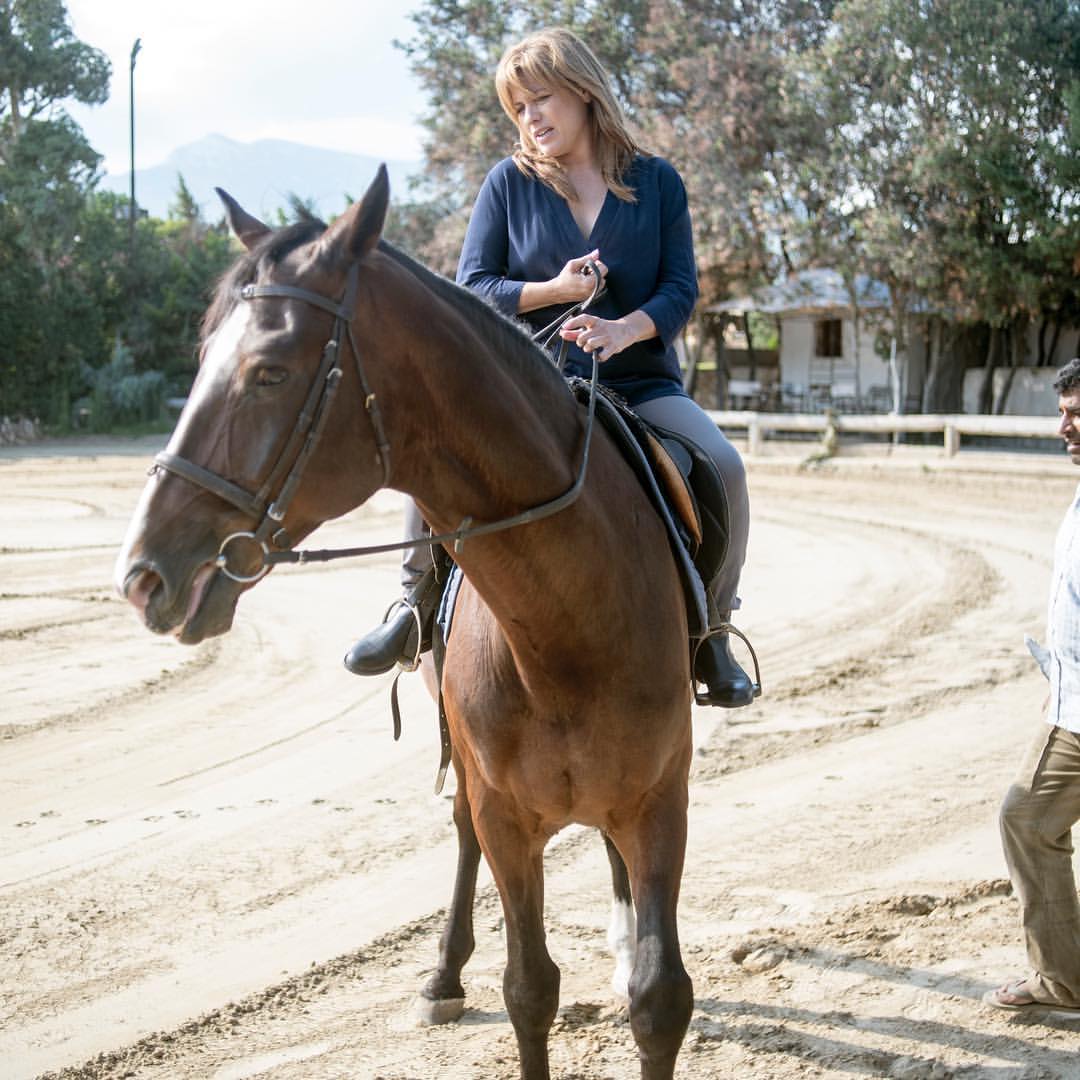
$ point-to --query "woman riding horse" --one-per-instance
(578, 190)
(332, 366)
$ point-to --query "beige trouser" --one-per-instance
(1037, 817)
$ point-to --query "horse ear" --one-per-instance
(247, 229)
(358, 230)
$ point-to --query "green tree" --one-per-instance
(46, 169)
(454, 53)
(953, 164)
(144, 323)
(723, 94)
(46, 164)
(43, 63)
(186, 256)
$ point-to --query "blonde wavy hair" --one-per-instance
(557, 58)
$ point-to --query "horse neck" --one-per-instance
(478, 435)
(475, 431)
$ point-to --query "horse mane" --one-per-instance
(509, 339)
(267, 252)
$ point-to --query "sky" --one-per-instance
(321, 72)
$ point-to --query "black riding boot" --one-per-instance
(727, 685)
(406, 631)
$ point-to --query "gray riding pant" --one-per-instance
(684, 416)
(414, 560)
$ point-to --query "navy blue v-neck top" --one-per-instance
(521, 230)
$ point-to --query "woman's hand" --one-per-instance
(575, 280)
(607, 337)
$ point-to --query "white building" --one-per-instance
(827, 340)
(835, 351)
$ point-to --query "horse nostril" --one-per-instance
(139, 587)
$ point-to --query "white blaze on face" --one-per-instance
(219, 363)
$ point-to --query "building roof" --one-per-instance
(818, 290)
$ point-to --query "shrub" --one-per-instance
(119, 395)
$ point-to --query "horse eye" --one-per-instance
(270, 376)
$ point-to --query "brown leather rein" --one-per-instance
(269, 509)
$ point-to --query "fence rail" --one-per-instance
(951, 426)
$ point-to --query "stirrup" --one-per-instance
(414, 663)
(725, 627)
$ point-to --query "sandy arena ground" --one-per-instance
(216, 863)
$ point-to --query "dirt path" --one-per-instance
(215, 862)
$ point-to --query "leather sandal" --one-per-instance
(1016, 997)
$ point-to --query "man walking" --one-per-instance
(1043, 804)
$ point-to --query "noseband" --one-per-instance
(269, 509)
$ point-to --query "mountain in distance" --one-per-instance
(260, 176)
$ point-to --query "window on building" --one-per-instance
(828, 337)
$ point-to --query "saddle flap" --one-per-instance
(628, 433)
(673, 475)
(706, 487)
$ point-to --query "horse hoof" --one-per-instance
(429, 1012)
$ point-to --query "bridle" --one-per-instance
(270, 503)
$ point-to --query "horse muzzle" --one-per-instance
(203, 607)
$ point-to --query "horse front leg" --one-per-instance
(442, 999)
(661, 994)
(531, 979)
(622, 928)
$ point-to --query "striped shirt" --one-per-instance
(1062, 665)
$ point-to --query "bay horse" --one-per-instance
(566, 681)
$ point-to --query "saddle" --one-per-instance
(688, 494)
(684, 487)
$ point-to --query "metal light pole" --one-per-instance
(131, 128)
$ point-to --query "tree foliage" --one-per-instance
(953, 154)
(46, 169)
(73, 290)
(934, 144)
(42, 64)
(46, 164)
(931, 144)
(726, 96)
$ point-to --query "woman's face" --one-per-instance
(555, 121)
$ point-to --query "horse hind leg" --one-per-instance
(442, 998)
(622, 929)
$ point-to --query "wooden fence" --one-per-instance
(952, 427)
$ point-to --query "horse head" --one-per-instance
(276, 342)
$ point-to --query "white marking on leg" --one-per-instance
(428, 1013)
(622, 940)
